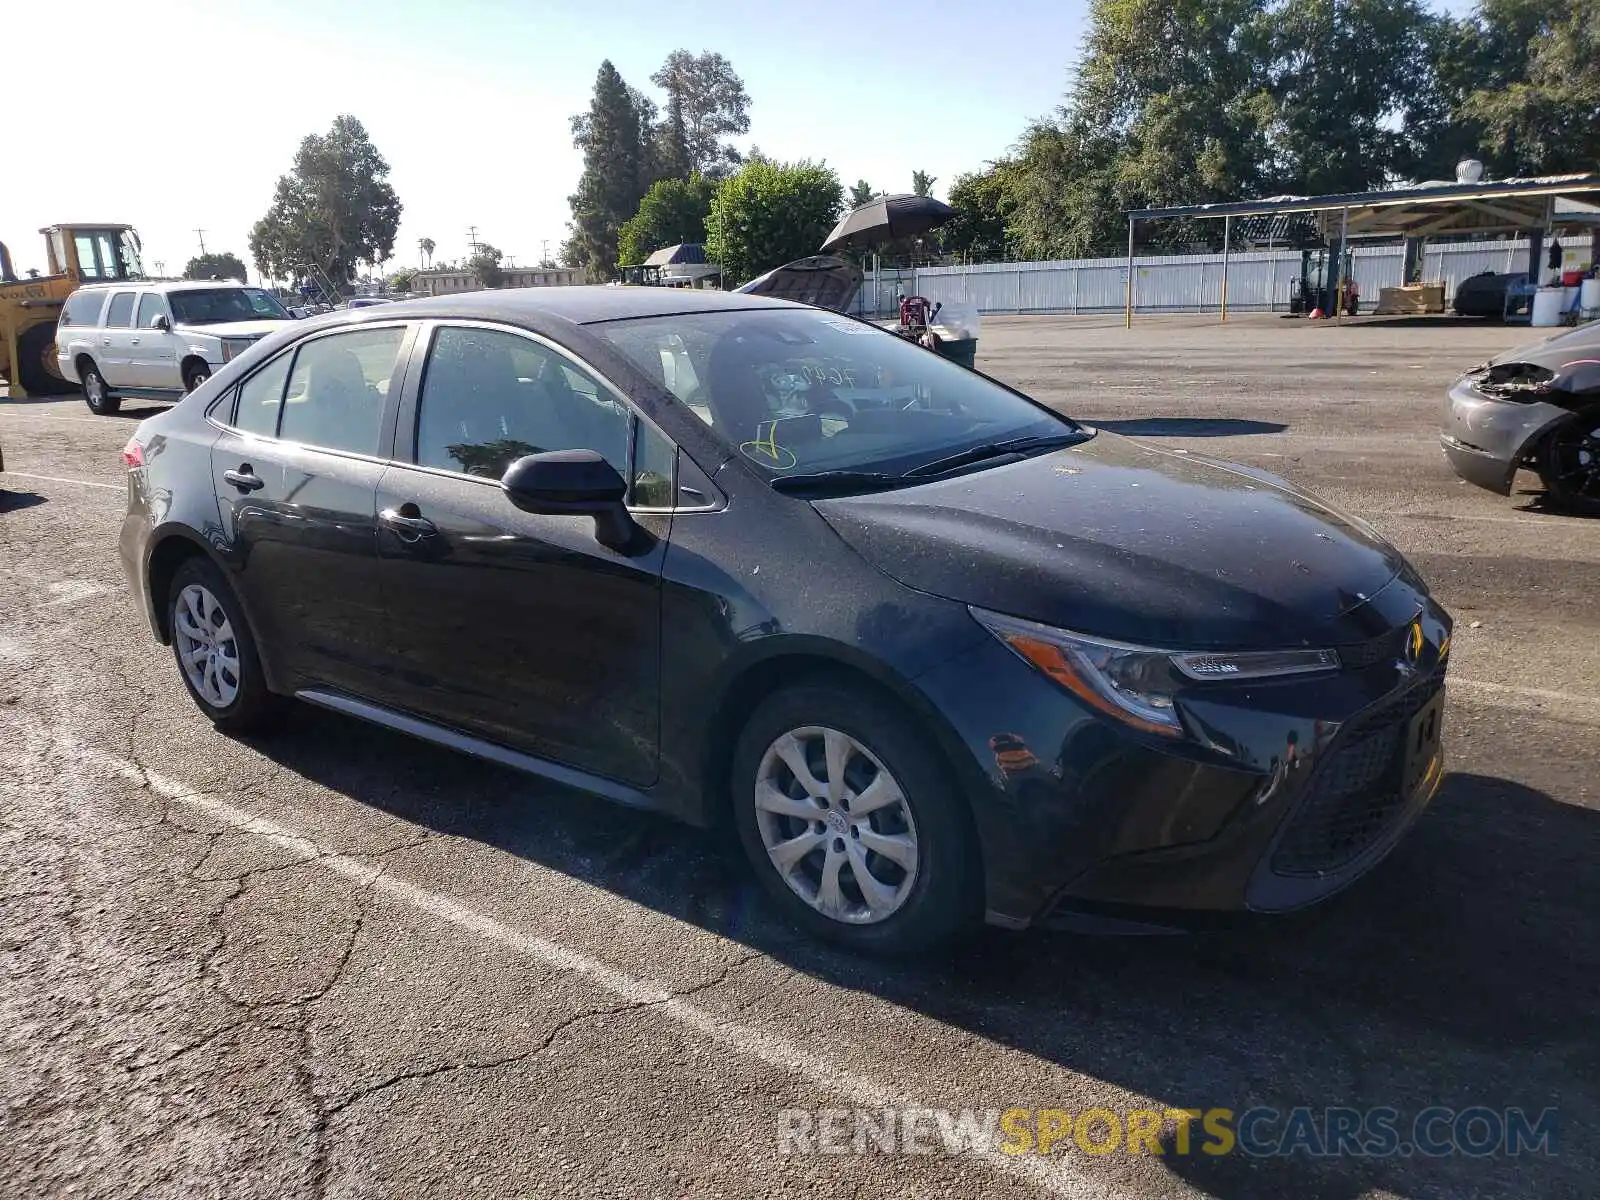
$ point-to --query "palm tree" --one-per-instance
(426, 246)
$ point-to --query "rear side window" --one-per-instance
(82, 308)
(150, 307)
(261, 398)
(337, 389)
(119, 313)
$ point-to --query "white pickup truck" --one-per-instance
(157, 341)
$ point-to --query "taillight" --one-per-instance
(133, 454)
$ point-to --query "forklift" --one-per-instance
(1315, 287)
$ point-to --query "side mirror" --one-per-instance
(162, 322)
(573, 482)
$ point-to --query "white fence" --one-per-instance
(1257, 280)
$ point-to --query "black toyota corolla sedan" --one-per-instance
(936, 652)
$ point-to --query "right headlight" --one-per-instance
(1137, 684)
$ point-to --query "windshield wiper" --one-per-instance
(822, 482)
(974, 454)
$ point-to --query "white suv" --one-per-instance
(157, 341)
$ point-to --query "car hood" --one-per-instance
(1568, 362)
(1124, 541)
(1584, 341)
(237, 329)
(822, 281)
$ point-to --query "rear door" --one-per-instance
(115, 352)
(519, 626)
(154, 357)
(296, 474)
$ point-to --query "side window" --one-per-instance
(337, 388)
(82, 308)
(151, 306)
(655, 469)
(88, 264)
(119, 313)
(261, 398)
(489, 397)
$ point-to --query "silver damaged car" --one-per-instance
(1538, 407)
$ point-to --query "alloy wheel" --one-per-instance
(1573, 459)
(836, 825)
(207, 648)
(95, 388)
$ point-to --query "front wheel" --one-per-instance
(215, 650)
(851, 823)
(95, 394)
(194, 375)
(1569, 463)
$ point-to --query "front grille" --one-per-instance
(1357, 793)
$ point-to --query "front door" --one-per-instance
(519, 627)
(296, 477)
(154, 358)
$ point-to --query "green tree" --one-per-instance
(427, 246)
(1542, 116)
(400, 281)
(216, 266)
(614, 136)
(485, 265)
(706, 105)
(770, 213)
(1352, 84)
(983, 203)
(333, 209)
(672, 211)
(922, 183)
(861, 193)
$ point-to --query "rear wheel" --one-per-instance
(1569, 463)
(215, 650)
(194, 375)
(36, 362)
(851, 823)
(95, 394)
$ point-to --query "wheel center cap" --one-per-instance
(837, 821)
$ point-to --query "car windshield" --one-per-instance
(213, 306)
(801, 391)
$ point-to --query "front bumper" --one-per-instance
(1289, 792)
(1486, 438)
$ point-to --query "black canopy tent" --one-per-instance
(1424, 210)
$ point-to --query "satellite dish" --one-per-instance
(1469, 170)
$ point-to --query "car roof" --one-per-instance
(581, 305)
(164, 285)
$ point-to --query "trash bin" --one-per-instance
(956, 327)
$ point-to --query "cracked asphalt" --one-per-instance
(334, 962)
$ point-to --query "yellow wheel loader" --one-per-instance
(29, 307)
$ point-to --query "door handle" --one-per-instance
(105, 341)
(410, 528)
(133, 341)
(245, 478)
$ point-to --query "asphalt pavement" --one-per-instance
(335, 962)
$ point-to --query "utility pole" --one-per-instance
(472, 238)
(544, 249)
(201, 234)
(160, 268)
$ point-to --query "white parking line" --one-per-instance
(1054, 1175)
(114, 487)
(50, 416)
(1511, 691)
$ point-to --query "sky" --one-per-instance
(186, 112)
(469, 101)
